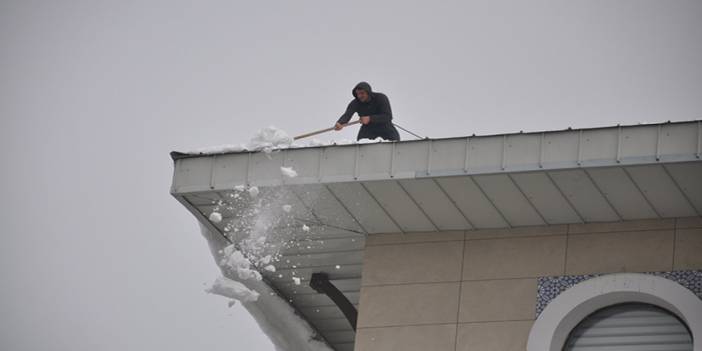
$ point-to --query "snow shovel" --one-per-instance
(324, 130)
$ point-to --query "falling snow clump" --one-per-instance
(235, 260)
(288, 172)
(233, 290)
(215, 217)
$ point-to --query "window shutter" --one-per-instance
(630, 327)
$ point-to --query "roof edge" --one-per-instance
(177, 155)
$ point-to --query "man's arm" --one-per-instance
(385, 114)
(350, 110)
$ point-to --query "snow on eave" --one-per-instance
(177, 155)
(286, 327)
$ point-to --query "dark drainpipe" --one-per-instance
(321, 284)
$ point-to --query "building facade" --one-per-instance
(485, 289)
(564, 240)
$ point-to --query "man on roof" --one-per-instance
(374, 111)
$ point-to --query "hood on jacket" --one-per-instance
(362, 85)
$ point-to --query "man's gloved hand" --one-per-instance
(338, 126)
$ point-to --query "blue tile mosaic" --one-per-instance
(548, 288)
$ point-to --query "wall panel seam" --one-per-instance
(663, 230)
(415, 242)
(411, 283)
(406, 325)
(460, 296)
(672, 227)
(519, 237)
(496, 321)
(675, 241)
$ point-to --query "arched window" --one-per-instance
(559, 323)
(630, 327)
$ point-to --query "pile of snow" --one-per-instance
(218, 149)
(371, 141)
(271, 138)
(266, 140)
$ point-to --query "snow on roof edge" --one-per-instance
(286, 328)
(177, 155)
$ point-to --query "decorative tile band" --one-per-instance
(548, 288)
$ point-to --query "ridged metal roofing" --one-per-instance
(345, 192)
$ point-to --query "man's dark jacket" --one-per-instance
(378, 108)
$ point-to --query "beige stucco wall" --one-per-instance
(476, 290)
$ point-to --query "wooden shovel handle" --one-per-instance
(324, 130)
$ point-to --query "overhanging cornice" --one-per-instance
(475, 155)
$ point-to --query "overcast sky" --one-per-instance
(95, 253)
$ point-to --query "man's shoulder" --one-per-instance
(380, 95)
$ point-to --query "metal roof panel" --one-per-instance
(679, 138)
(320, 259)
(621, 193)
(561, 148)
(486, 154)
(587, 201)
(546, 197)
(661, 191)
(326, 207)
(509, 200)
(318, 300)
(449, 155)
(305, 163)
(689, 177)
(435, 203)
(393, 198)
(472, 201)
(374, 160)
(522, 150)
(639, 141)
(363, 207)
(598, 145)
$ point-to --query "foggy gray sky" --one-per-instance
(96, 255)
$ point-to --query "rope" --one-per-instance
(418, 137)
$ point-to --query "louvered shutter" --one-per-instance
(630, 327)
